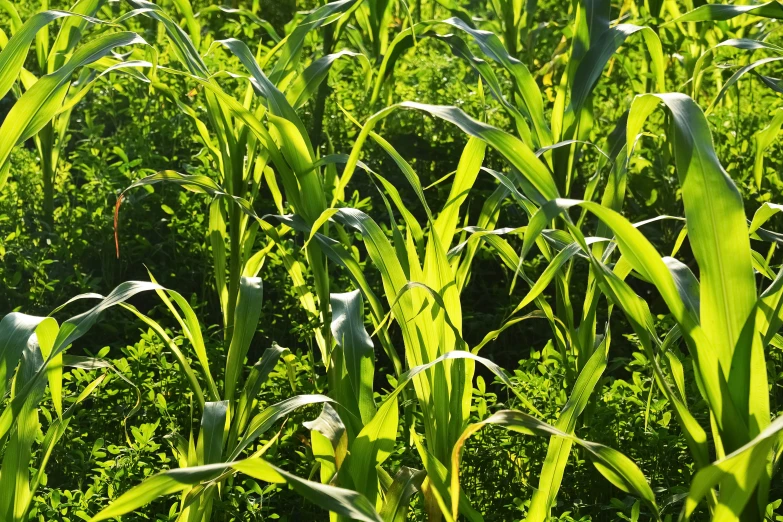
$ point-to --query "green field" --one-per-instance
(391, 260)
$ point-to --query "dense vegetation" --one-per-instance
(397, 260)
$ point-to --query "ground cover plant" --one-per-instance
(390, 260)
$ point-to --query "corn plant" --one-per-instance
(536, 177)
(27, 341)
(442, 394)
(47, 106)
(733, 383)
(32, 347)
(305, 193)
(431, 336)
(558, 142)
(593, 44)
(733, 322)
(440, 487)
(229, 428)
(33, 355)
(231, 420)
(726, 324)
(245, 150)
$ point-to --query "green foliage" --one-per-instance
(584, 193)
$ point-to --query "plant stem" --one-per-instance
(45, 148)
(323, 92)
(235, 237)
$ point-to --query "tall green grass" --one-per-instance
(256, 139)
